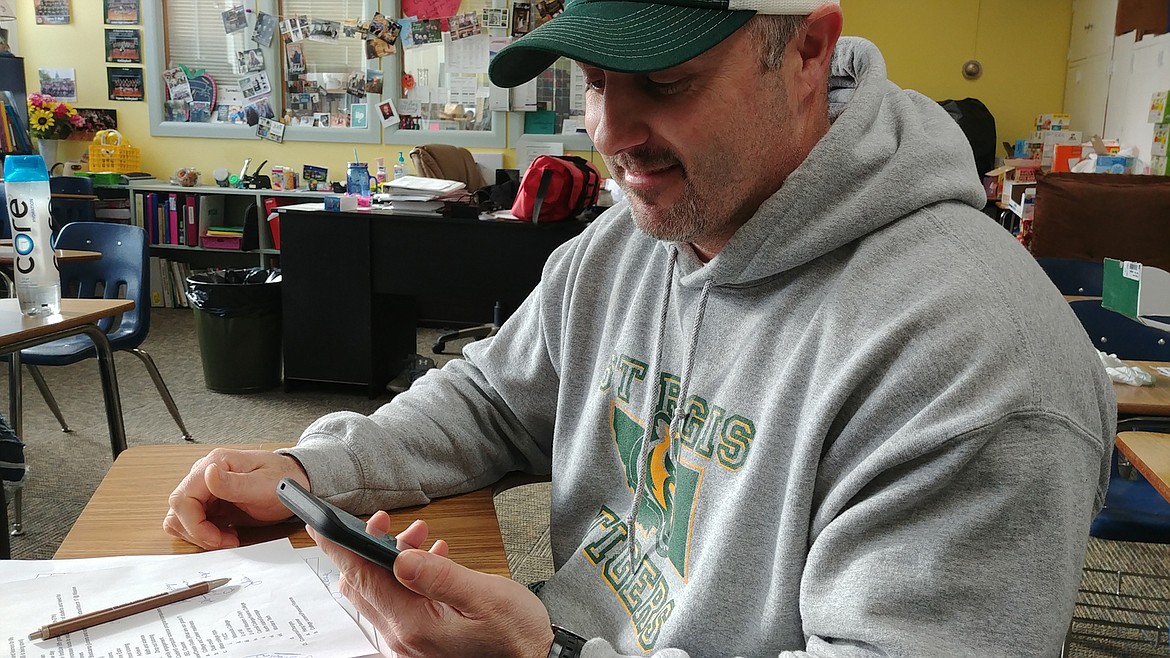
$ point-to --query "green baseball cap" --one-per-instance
(632, 36)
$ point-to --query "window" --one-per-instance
(251, 74)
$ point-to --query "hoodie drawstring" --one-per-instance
(680, 412)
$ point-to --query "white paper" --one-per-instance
(274, 604)
(526, 153)
(576, 89)
(524, 97)
(330, 575)
(462, 90)
(468, 55)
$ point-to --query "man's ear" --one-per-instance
(815, 44)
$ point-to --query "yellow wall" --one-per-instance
(1022, 46)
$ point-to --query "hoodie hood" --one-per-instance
(882, 138)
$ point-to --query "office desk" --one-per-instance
(125, 515)
(1149, 452)
(355, 282)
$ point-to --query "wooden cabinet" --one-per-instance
(1093, 23)
(1094, 76)
(1086, 92)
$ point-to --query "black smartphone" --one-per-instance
(337, 525)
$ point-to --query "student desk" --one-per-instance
(18, 331)
(1149, 452)
(125, 515)
(1145, 400)
(355, 282)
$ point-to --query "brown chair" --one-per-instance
(449, 163)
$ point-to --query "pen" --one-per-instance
(125, 610)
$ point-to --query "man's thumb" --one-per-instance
(440, 579)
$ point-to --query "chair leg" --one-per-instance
(17, 512)
(163, 392)
(47, 394)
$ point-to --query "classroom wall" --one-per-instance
(1022, 46)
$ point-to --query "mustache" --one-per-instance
(646, 158)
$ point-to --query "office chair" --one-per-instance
(1073, 276)
(121, 273)
(449, 163)
(475, 333)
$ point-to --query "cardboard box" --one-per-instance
(1013, 192)
(1160, 165)
(1159, 108)
(1161, 136)
(1137, 291)
(1051, 139)
(1066, 156)
(1053, 122)
(1025, 208)
(1029, 149)
(1014, 170)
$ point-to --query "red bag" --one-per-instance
(556, 187)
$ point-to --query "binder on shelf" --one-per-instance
(172, 218)
(156, 282)
(150, 217)
(191, 211)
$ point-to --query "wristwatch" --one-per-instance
(565, 644)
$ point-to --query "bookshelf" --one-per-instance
(177, 219)
(14, 134)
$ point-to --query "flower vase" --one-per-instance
(48, 150)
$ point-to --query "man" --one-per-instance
(797, 396)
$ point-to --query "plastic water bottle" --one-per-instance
(34, 268)
(400, 166)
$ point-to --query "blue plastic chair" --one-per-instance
(72, 200)
(121, 273)
(1073, 276)
(1134, 510)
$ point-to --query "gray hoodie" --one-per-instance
(890, 432)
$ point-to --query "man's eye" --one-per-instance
(596, 84)
(665, 88)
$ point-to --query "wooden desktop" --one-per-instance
(125, 515)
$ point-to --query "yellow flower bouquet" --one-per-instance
(49, 118)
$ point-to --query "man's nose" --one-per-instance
(617, 121)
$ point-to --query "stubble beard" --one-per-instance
(686, 219)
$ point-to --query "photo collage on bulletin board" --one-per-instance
(124, 46)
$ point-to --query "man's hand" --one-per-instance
(431, 606)
(230, 488)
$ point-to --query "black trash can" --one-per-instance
(237, 323)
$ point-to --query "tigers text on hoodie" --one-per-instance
(869, 426)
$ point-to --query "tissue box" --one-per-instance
(1114, 164)
(341, 202)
